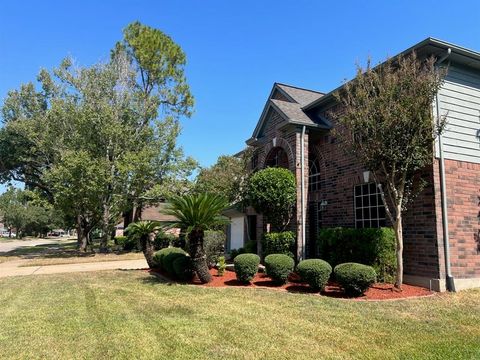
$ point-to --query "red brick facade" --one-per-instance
(339, 173)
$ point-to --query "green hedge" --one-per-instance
(214, 245)
(182, 267)
(159, 256)
(315, 272)
(278, 267)
(354, 278)
(246, 266)
(164, 240)
(373, 247)
(128, 243)
(279, 243)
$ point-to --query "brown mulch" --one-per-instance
(379, 291)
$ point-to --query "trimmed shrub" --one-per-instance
(250, 247)
(373, 247)
(128, 243)
(355, 278)
(159, 256)
(315, 272)
(246, 266)
(214, 245)
(279, 243)
(164, 240)
(168, 259)
(278, 267)
(182, 268)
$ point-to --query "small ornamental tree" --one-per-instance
(272, 192)
(386, 121)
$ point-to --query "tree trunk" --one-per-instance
(398, 227)
(105, 229)
(199, 258)
(81, 236)
(147, 249)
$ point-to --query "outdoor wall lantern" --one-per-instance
(366, 176)
(323, 205)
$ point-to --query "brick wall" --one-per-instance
(463, 194)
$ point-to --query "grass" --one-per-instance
(131, 315)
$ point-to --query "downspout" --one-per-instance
(302, 187)
(450, 283)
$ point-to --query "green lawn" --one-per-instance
(130, 315)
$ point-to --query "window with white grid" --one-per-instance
(369, 208)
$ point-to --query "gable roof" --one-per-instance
(291, 109)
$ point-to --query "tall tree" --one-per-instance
(386, 121)
(226, 177)
(159, 65)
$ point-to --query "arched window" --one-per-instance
(314, 175)
(277, 157)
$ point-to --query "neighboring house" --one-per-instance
(294, 131)
(154, 213)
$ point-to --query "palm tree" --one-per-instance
(144, 230)
(197, 213)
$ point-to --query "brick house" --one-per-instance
(294, 132)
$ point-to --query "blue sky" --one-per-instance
(235, 50)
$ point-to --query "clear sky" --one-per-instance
(236, 50)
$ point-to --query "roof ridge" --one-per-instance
(300, 88)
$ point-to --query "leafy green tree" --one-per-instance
(78, 182)
(145, 232)
(159, 68)
(226, 177)
(273, 193)
(24, 212)
(197, 213)
(387, 123)
(108, 114)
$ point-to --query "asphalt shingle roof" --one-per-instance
(292, 111)
(301, 96)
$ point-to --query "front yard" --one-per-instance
(130, 314)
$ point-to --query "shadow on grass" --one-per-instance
(53, 251)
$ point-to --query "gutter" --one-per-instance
(450, 281)
(302, 182)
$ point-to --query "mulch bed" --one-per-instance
(379, 291)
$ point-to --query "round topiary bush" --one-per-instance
(246, 266)
(315, 272)
(182, 267)
(159, 256)
(278, 267)
(355, 278)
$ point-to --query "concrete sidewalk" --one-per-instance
(12, 268)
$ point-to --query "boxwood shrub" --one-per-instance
(278, 267)
(374, 247)
(128, 243)
(160, 255)
(182, 267)
(279, 243)
(315, 272)
(168, 259)
(246, 266)
(354, 278)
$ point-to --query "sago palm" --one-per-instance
(197, 213)
(144, 230)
